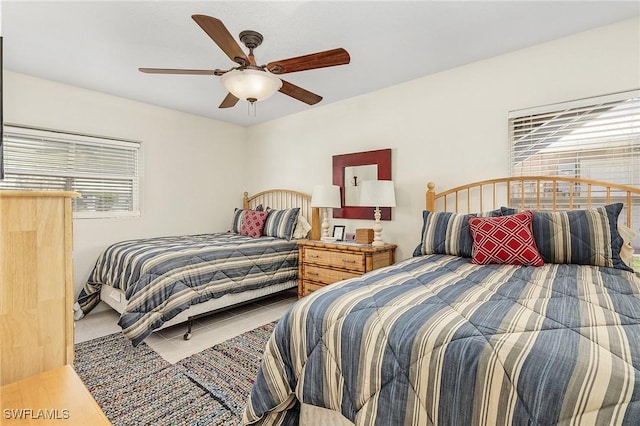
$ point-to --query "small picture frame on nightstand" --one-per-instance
(338, 232)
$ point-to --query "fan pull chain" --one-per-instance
(251, 107)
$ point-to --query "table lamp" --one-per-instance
(377, 193)
(325, 197)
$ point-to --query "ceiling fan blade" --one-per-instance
(176, 71)
(222, 37)
(229, 101)
(328, 58)
(299, 93)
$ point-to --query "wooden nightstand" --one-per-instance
(321, 263)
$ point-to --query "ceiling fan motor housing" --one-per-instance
(251, 39)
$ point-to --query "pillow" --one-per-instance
(627, 234)
(447, 233)
(253, 223)
(280, 223)
(302, 228)
(506, 211)
(504, 240)
(627, 250)
(583, 237)
(238, 214)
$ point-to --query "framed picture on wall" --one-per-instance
(338, 232)
(349, 171)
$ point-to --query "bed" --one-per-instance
(447, 337)
(158, 282)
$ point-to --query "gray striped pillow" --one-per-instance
(281, 223)
(583, 237)
(448, 233)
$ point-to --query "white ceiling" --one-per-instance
(99, 45)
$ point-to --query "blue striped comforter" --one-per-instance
(438, 340)
(162, 277)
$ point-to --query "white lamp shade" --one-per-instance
(377, 193)
(251, 85)
(326, 196)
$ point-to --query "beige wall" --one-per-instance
(450, 128)
(185, 159)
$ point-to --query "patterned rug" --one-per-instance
(135, 386)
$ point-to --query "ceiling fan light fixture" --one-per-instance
(251, 85)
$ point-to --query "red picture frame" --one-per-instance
(380, 157)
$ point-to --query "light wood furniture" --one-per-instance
(549, 193)
(57, 396)
(285, 199)
(36, 282)
(321, 263)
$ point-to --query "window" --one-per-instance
(595, 138)
(104, 171)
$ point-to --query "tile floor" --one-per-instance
(206, 332)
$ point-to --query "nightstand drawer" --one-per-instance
(352, 261)
(310, 287)
(325, 275)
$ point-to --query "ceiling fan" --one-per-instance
(254, 82)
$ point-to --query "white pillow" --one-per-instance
(627, 250)
(302, 228)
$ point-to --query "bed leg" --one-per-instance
(187, 335)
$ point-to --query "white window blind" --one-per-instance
(104, 171)
(596, 138)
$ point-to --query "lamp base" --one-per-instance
(377, 229)
(325, 224)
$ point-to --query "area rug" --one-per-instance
(135, 386)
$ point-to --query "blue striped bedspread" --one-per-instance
(163, 276)
(436, 340)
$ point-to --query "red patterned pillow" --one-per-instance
(253, 223)
(504, 240)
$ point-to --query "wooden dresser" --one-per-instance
(56, 396)
(36, 282)
(321, 263)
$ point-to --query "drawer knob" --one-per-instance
(315, 274)
(348, 261)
